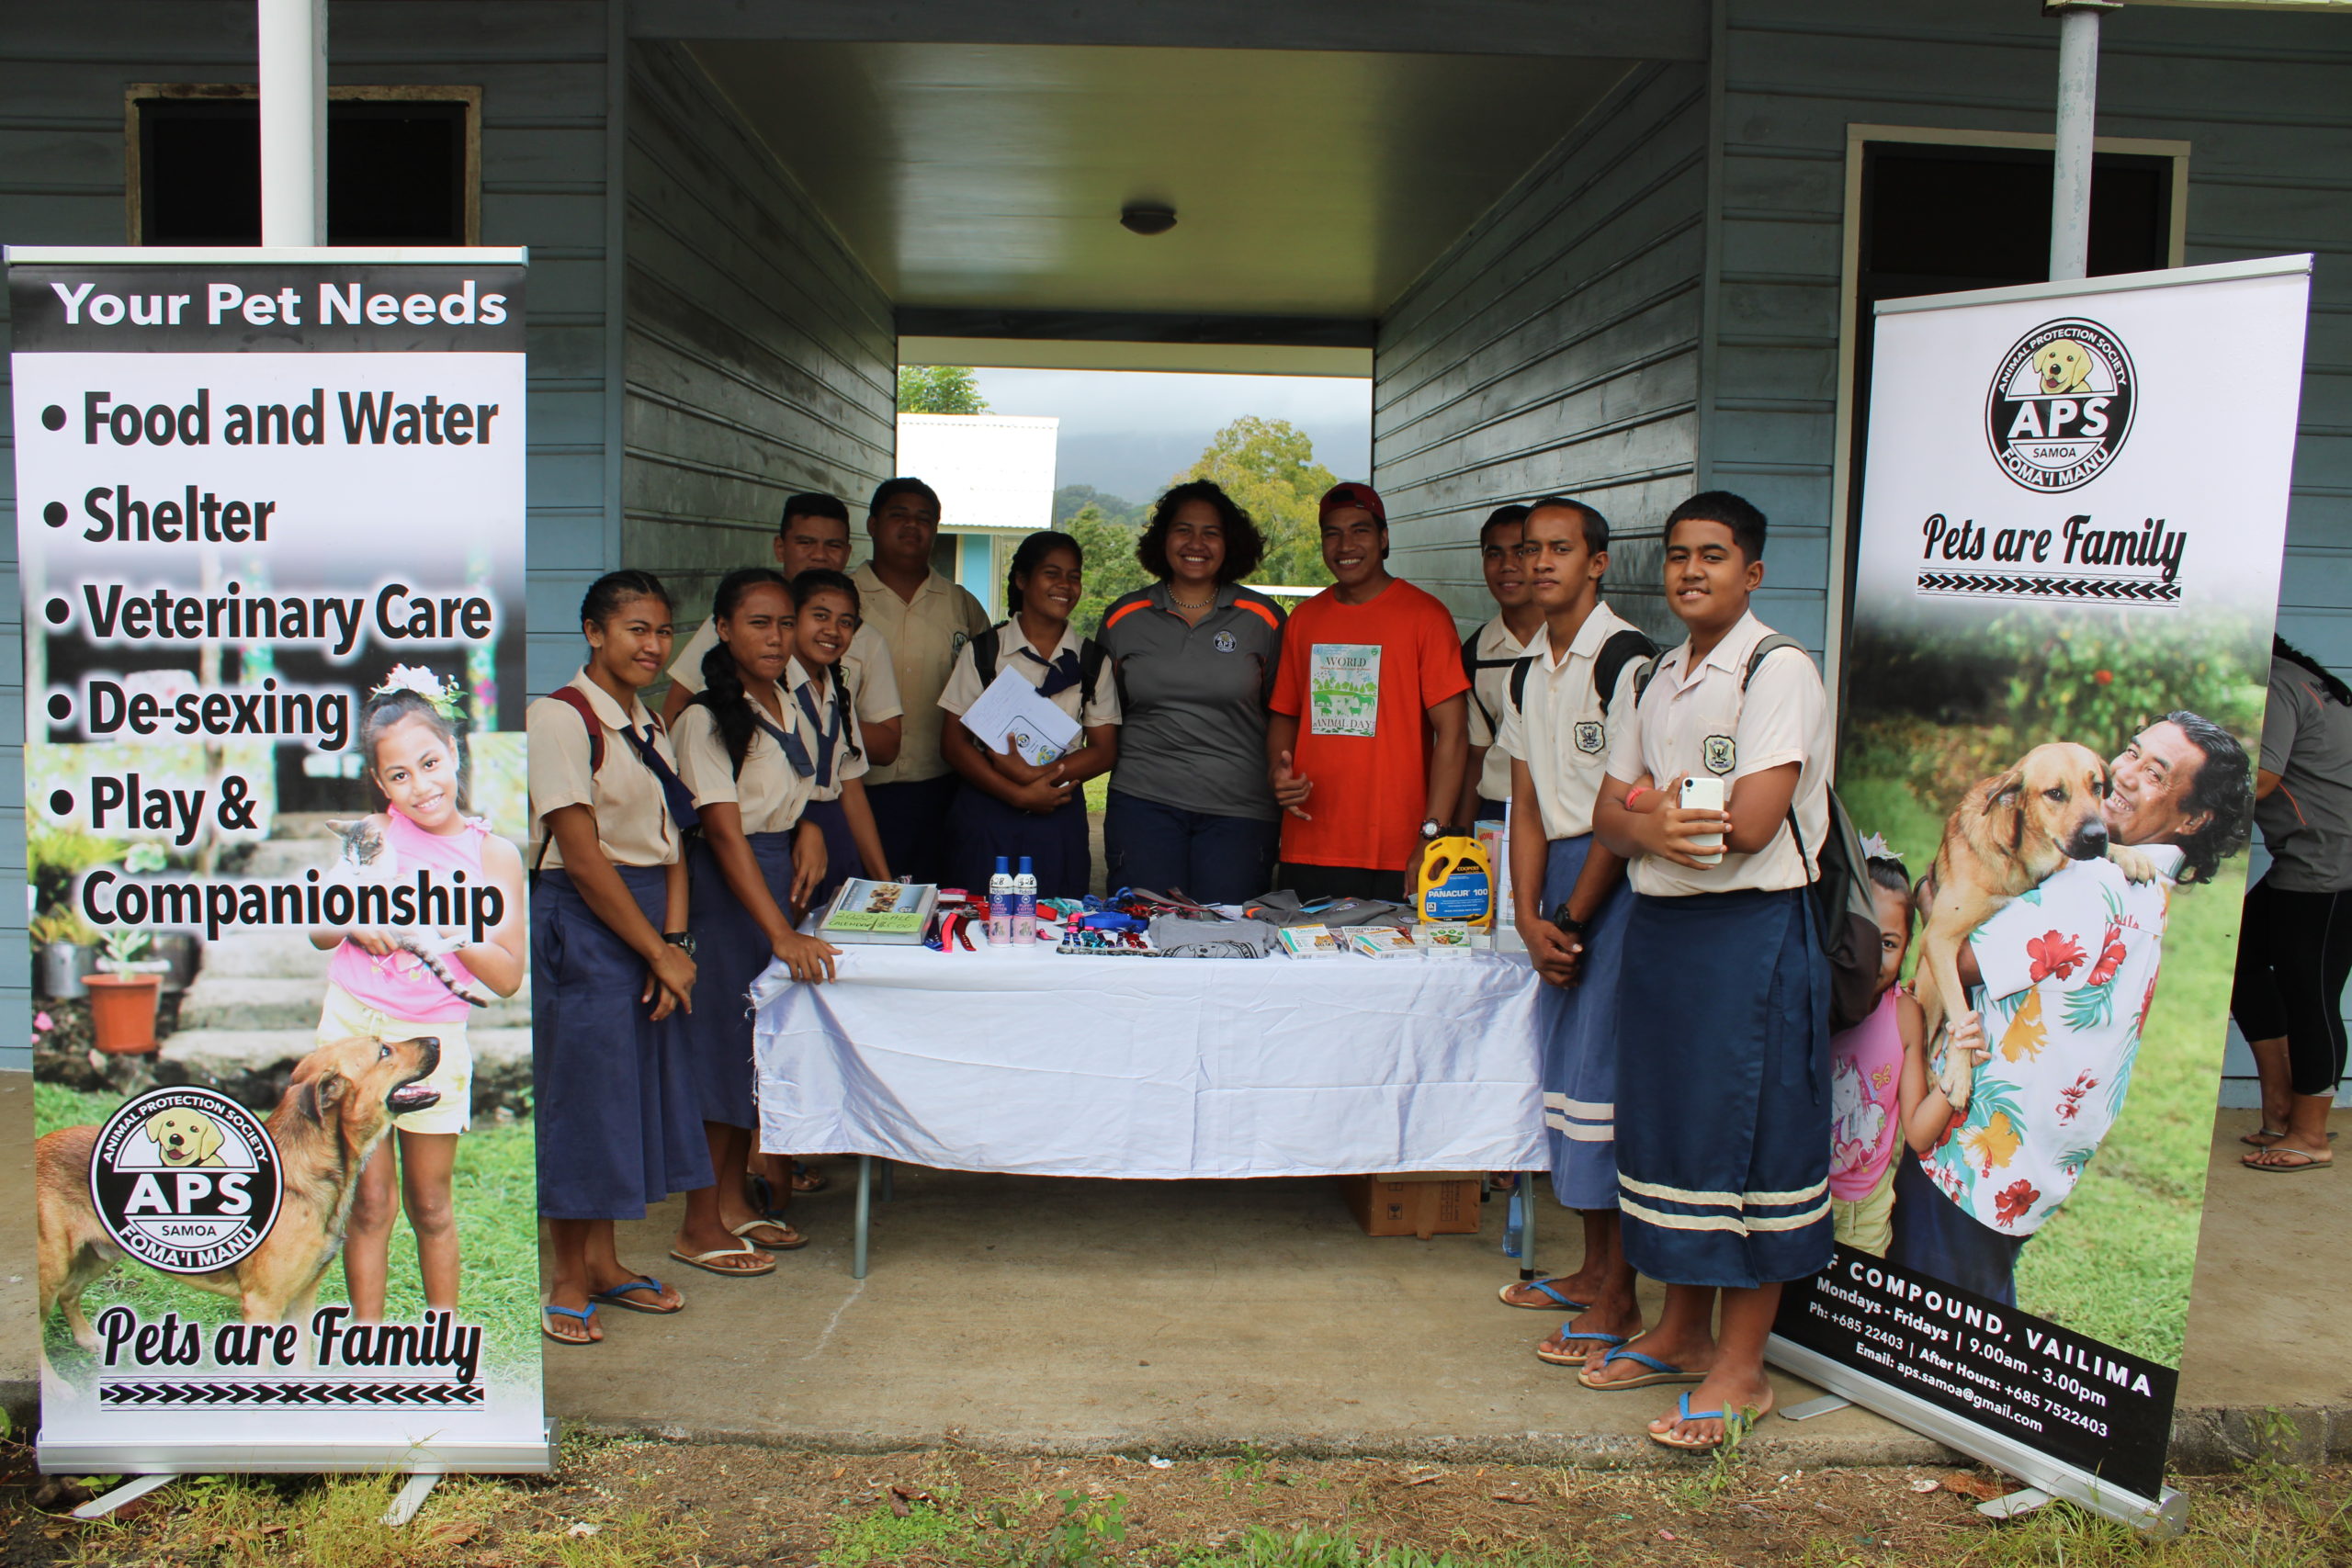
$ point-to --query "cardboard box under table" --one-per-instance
(1029, 1062)
(1420, 1203)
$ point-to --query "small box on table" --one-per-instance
(1420, 1203)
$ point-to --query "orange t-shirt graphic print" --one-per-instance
(1360, 680)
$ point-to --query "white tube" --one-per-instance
(2070, 192)
(293, 62)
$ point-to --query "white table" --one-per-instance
(1031, 1062)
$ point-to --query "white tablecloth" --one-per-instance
(1039, 1062)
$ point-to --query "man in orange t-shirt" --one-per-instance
(1369, 734)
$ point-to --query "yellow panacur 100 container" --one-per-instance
(1457, 882)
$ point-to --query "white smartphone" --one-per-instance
(1704, 794)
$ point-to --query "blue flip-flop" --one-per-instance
(618, 1296)
(1570, 1337)
(1734, 1425)
(1563, 1302)
(1659, 1372)
(582, 1313)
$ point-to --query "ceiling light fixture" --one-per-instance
(1146, 218)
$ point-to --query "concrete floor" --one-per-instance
(1035, 1313)
(1040, 1314)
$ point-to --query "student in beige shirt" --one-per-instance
(611, 964)
(925, 620)
(813, 536)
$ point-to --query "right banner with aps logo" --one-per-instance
(2072, 517)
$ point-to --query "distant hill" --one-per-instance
(1069, 500)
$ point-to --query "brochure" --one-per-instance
(889, 912)
(1011, 709)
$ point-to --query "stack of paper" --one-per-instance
(1011, 709)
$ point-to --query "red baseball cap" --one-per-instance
(1346, 492)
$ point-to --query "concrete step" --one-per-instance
(265, 955)
(251, 1002)
(251, 1066)
(290, 857)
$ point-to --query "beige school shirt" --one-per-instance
(769, 794)
(873, 684)
(923, 638)
(1013, 653)
(1696, 722)
(849, 748)
(1559, 730)
(1490, 695)
(633, 824)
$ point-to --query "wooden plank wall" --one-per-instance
(541, 64)
(1554, 346)
(2264, 98)
(761, 355)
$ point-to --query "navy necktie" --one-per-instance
(1061, 671)
(674, 788)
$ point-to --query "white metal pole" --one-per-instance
(2070, 194)
(293, 60)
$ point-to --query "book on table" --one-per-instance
(889, 912)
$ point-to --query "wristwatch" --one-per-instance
(1431, 828)
(683, 940)
(1567, 923)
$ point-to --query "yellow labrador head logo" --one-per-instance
(185, 1138)
(2061, 405)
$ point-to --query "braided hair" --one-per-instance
(722, 689)
(807, 585)
(614, 589)
(2337, 692)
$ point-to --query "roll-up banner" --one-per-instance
(2072, 517)
(270, 524)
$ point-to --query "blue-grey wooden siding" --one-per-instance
(2265, 101)
(761, 357)
(1554, 346)
(541, 64)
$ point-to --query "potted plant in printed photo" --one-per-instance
(125, 994)
(65, 953)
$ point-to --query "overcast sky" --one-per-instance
(1127, 432)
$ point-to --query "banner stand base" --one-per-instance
(129, 1492)
(168, 1459)
(1827, 1404)
(2163, 1517)
(412, 1496)
(2015, 1505)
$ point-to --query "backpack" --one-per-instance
(1471, 666)
(1621, 650)
(985, 651)
(1845, 912)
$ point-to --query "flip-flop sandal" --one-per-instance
(1734, 1426)
(1660, 1372)
(2249, 1140)
(583, 1314)
(807, 1180)
(618, 1296)
(1558, 1302)
(760, 1193)
(1567, 1337)
(702, 1260)
(2298, 1162)
(796, 1242)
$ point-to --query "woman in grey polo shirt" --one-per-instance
(1190, 809)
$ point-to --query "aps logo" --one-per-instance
(186, 1179)
(2061, 405)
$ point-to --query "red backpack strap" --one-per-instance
(576, 700)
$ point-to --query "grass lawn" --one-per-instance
(498, 1223)
(2115, 1262)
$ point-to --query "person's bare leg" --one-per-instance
(604, 1268)
(702, 1230)
(1684, 1337)
(1736, 1383)
(426, 1161)
(2305, 1142)
(569, 1244)
(2277, 1080)
(367, 1233)
(1609, 1285)
(731, 1150)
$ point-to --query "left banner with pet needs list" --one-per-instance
(270, 526)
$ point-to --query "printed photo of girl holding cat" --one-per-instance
(407, 985)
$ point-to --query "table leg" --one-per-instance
(864, 1215)
(1527, 1186)
(889, 1181)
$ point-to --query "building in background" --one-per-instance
(994, 473)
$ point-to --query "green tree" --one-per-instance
(1268, 466)
(1112, 570)
(939, 388)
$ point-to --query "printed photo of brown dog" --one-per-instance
(337, 1108)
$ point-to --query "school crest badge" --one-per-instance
(955, 642)
(1591, 737)
(1720, 753)
(1224, 642)
(185, 1179)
